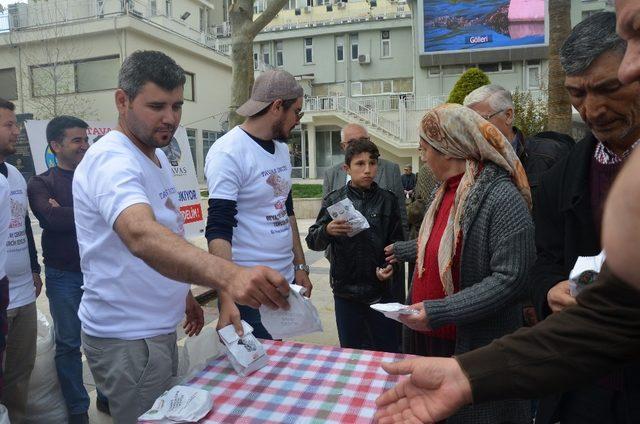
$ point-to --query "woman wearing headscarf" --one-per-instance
(474, 248)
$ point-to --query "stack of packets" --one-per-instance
(301, 318)
(394, 310)
(344, 209)
(180, 404)
(245, 353)
(584, 272)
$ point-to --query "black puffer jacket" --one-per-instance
(354, 259)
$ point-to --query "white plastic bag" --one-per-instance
(301, 318)
(45, 403)
(197, 352)
(180, 404)
(393, 310)
(344, 209)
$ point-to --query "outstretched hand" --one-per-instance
(435, 389)
(258, 286)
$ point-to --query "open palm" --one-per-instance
(435, 389)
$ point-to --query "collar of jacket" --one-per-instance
(521, 146)
(575, 190)
(362, 194)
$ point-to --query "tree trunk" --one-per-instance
(243, 31)
(559, 107)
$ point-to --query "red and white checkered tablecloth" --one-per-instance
(302, 383)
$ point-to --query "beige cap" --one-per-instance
(269, 87)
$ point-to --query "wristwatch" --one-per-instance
(301, 267)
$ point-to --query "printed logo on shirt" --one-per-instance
(18, 212)
(179, 228)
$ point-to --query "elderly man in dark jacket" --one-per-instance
(570, 202)
(537, 153)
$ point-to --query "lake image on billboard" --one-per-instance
(481, 24)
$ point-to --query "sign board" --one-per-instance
(464, 25)
(178, 153)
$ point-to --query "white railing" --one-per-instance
(424, 102)
(309, 21)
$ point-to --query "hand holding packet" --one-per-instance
(585, 272)
(301, 318)
(344, 209)
(245, 353)
(394, 310)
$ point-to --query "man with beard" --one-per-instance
(133, 257)
(251, 219)
(23, 272)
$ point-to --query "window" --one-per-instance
(265, 54)
(202, 18)
(340, 48)
(354, 46)
(356, 88)
(403, 85)
(533, 77)
(97, 74)
(434, 71)
(385, 48)
(256, 61)
(8, 84)
(290, 5)
(308, 50)
(387, 87)
(208, 138)
(75, 77)
(506, 66)
(489, 67)
(452, 69)
(153, 6)
(168, 8)
(279, 54)
(189, 86)
(259, 6)
(191, 136)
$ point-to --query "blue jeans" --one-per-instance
(360, 327)
(64, 292)
(252, 317)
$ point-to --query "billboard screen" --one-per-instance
(458, 25)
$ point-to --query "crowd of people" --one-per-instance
(491, 227)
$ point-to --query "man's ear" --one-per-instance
(122, 100)
(509, 114)
(346, 168)
(55, 146)
(276, 105)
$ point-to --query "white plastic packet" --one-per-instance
(301, 318)
(180, 404)
(245, 353)
(393, 310)
(344, 209)
(589, 266)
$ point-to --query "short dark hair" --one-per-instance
(360, 145)
(588, 40)
(58, 125)
(286, 104)
(145, 66)
(6, 104)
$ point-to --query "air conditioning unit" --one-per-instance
(364, 59)
(17, 14)
(298, 11)
(341, 5)
(307, 9)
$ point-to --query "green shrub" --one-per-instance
(530, 113)
(468, 82)
(307, 190)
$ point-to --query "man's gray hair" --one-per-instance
(497, 97)
(588, 40)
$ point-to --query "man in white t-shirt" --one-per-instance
(133, 256)
(23, 272)
(248, 171)
(5, 217)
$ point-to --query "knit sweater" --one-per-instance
(498, 249)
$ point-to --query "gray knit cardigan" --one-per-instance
(498, 249)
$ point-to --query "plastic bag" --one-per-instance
(180, 404)
(344, 209)
(45, 403)
(197, 352)
(301, 318)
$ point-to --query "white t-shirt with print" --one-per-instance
(124, 297)
(5, 217)
(239, 169)
(18, 267)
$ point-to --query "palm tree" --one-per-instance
(559, 107)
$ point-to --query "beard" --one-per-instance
(280, 133)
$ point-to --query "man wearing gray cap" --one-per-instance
(251, 218)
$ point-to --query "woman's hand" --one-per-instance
(419, 321)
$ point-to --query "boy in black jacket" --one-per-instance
(359, 274)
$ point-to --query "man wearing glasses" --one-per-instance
(539, 152)
(251, 218)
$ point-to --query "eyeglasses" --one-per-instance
(487, 117)
(299, 114)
